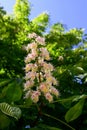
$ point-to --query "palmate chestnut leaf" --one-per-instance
(10, 110)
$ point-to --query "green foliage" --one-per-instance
(67, 102)
(40, 23)
(68, 49)
(22, 9)
(4, 82)
(12, 92)
(44, 127)
(75, 111)
(11, 111)
(4, 121)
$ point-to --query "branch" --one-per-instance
(47, 115)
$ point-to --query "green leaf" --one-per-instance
(83, 96)
(66, 102)
(27, 103)
(34, 129)
(75, 111)
(85, 80)
(80, 70)
(4, 121)
(4, 82)
(12, 92)
(9, 110)
(44, 127)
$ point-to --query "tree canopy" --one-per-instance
(68, 51)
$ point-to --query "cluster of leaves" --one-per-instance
(68, 49)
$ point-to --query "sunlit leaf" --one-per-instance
(9, 110)
(75, 111)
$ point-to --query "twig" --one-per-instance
(59, 120)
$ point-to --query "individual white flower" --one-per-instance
(43, 88)
(60, 58)
(28, 84)
(32, 35)
(30, 75)
(35, 96)
(44, 53)
(34, 67)
(40, 40)
(31, 46)
(27, 95)
(54, 91)
(54, 81)
(31, 56)
(28, 67)
(49, 97)
(47, 67)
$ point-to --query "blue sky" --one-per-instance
(73, 13)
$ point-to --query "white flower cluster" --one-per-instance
(39, 79)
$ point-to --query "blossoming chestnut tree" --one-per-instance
(39, 81)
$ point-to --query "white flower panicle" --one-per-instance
(38, 73)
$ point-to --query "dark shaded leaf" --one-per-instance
(4, 121)
(13, 92)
